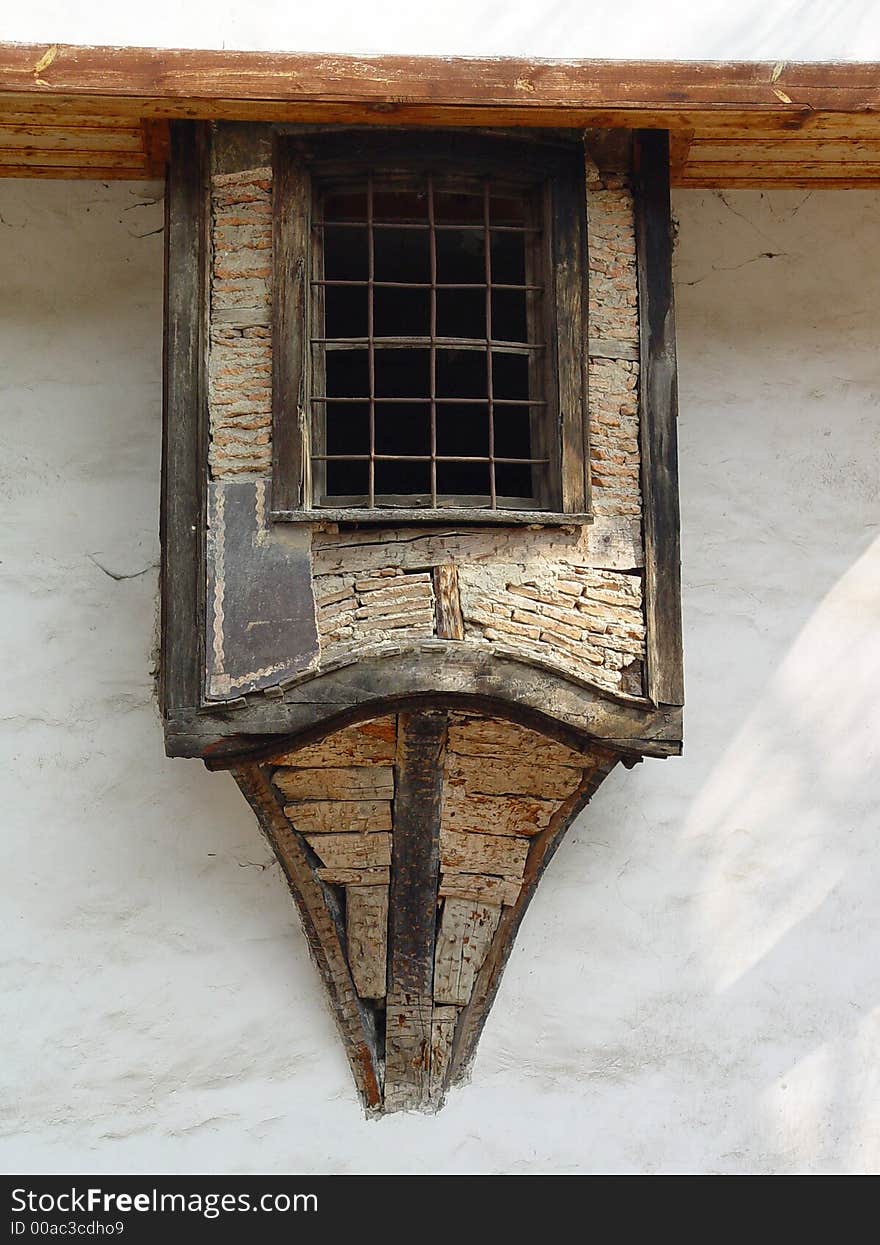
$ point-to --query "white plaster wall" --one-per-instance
(696, 985)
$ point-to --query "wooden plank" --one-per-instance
(479, 887)
(481, 736)
(183, 75)
(760, 170)
(466, 930)
(352, 851)
(785, 150)
(511, 777)
(780, 181)
(89, 172)
(340, 816)
(366, 931)
(368, 743)
(504, 681)
(413, 919)
(569, 327)
(70, 137)
(184, 420)
(291, 212)
(447, 602)
(373, 782)
(495, 814)
(355, 877)
(483, 853)
(132, 162)
(658, 414)
(443, 1022)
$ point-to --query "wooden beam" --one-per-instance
(421, 745)
(658, 406)
(183, 76)
(184, 417)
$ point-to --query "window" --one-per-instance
(430, 336)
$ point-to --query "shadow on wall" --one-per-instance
(764, 835)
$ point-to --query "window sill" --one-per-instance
(394, 517)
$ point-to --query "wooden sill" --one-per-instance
(394, 517)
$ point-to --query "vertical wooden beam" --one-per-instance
(291, 246)
(570, 262)
(184, 418)
(658, 416)
(415, 868)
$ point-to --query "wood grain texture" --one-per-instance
(421, 743)
(447, 602)
(658, 416)
(366, 931)
(291, 242)
(184, 421)
(499, 684)
(466, 930)
(108, 88)
(181, 76)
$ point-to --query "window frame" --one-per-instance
(556, 167)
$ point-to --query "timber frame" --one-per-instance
(103, 112)
(313, 703)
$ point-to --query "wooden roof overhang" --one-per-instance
(102, 112)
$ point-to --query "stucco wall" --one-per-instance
(695, 985)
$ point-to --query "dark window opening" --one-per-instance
(427, 345)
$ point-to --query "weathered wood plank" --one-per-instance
(182, 76)
(658, 402)
(506, 776)
(368, 782)
(340, 816)
(483, 853)
(493, 737)
(503, 683)
(366, 930)
(443, 1022)
(352, 851)
(184, 430)
(495, 814)
(368, 743)
(447, 602)
(412, 927)
(466, 930)
(570, 252)
(479, 887)
(356, 877)
(610, 543)
(291, 240)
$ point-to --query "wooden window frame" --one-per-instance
(299, 159)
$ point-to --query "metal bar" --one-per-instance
(487, 243)
(422, 458)
(433, 246)
(409, 343)
(426, 285)
(325, 397)
(371, 269)
(387, 224)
